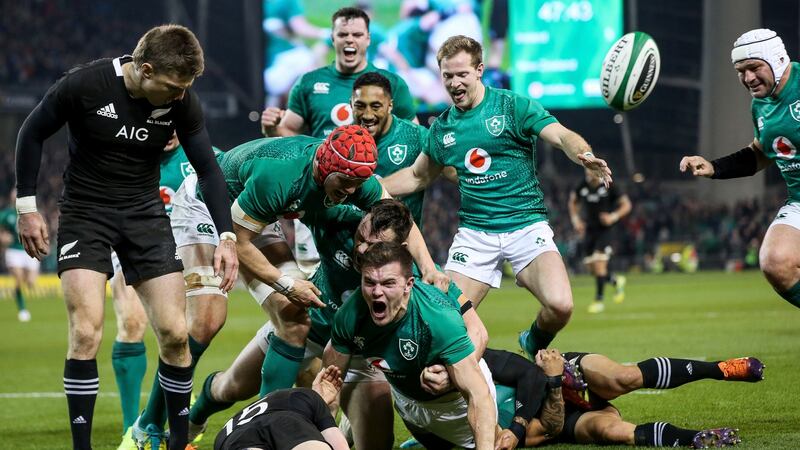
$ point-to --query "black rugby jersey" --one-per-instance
(248, 428)
(115, 141)
(595, 200)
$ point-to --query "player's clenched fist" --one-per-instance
(551, 362)
(699, 166)
(270, 118)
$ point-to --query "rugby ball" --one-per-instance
(630, 71)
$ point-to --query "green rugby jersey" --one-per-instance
(493, 148)
(8, 222)
(431, 332)
(333, 230)
(277, 15)
(410, 40)
(322, 98)
(272, 178)
(777, 128)
(398, 149)
(175, 166)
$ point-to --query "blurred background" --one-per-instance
(550, 50)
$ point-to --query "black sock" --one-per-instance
(662, 434)
(80, 385)
(540, 338)
(668, 373)
(600, 284)
(176, 382)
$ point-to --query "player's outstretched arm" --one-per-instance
(577, 149)
(300, 292)
(467, 377)
(290, 124)
(551, 417)
(412, 179)
(744, 163)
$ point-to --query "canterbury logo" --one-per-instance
(460, 257)
(205, 228)
(449, 139)
(108, 111)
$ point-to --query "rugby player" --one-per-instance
(289, 419)
(400, 327)
(22, 267)
(320, 101)
(120, 114)
(773, 81)
(601, 208)
(366, 398)
(489, 136)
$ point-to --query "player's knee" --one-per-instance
(85, 339)
(131, 329)
(613, 432)
(627, 379)
(172, 341)
(561, 307)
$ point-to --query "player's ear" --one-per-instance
(409, 285)
(147, 70)
(479, 69)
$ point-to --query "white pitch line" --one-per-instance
(12, 395)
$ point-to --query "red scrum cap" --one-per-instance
(349, 150)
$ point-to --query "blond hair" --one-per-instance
(457, 44)
(172, 49)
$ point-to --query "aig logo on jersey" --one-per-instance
(784, 148)
(342, 114)
(496, 125)
(477, 160)
(397, 153)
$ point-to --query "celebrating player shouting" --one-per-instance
(489, 136)
(120, 113)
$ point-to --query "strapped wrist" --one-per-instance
(284, 284)
(26, 205)
(518, 430)
(227, 236)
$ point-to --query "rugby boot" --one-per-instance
(742, 369)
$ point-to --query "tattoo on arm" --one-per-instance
(552, 417)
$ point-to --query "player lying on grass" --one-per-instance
(595, 420)
(297, 418)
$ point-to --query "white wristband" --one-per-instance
(284, 284)
(26, 204)
(588, 155)
(227, 236)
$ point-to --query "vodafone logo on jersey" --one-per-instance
(342, 114)
(166, 194)
(477, 160)
(784, 148)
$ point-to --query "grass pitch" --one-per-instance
(706, 316)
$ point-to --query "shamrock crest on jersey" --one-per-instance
(408, 348)
(397, 153)
(496, 125)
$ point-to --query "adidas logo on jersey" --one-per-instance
(79, 420)
(108, 111)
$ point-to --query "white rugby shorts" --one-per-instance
(19, 259)
(789, 214)
(446, 416)
(480, 255)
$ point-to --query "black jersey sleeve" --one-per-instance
(313, 406)
(614, 195)
(193, 136)
(46, 118)
(527, 378)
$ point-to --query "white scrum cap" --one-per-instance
(763, 44)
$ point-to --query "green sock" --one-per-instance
(538, 339)
(205, 405)
(20, 299)
(156, 411)
(130, 364)
(793, 295)
(281, 365)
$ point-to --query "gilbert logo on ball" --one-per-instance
(477, 160)
(630, 71)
